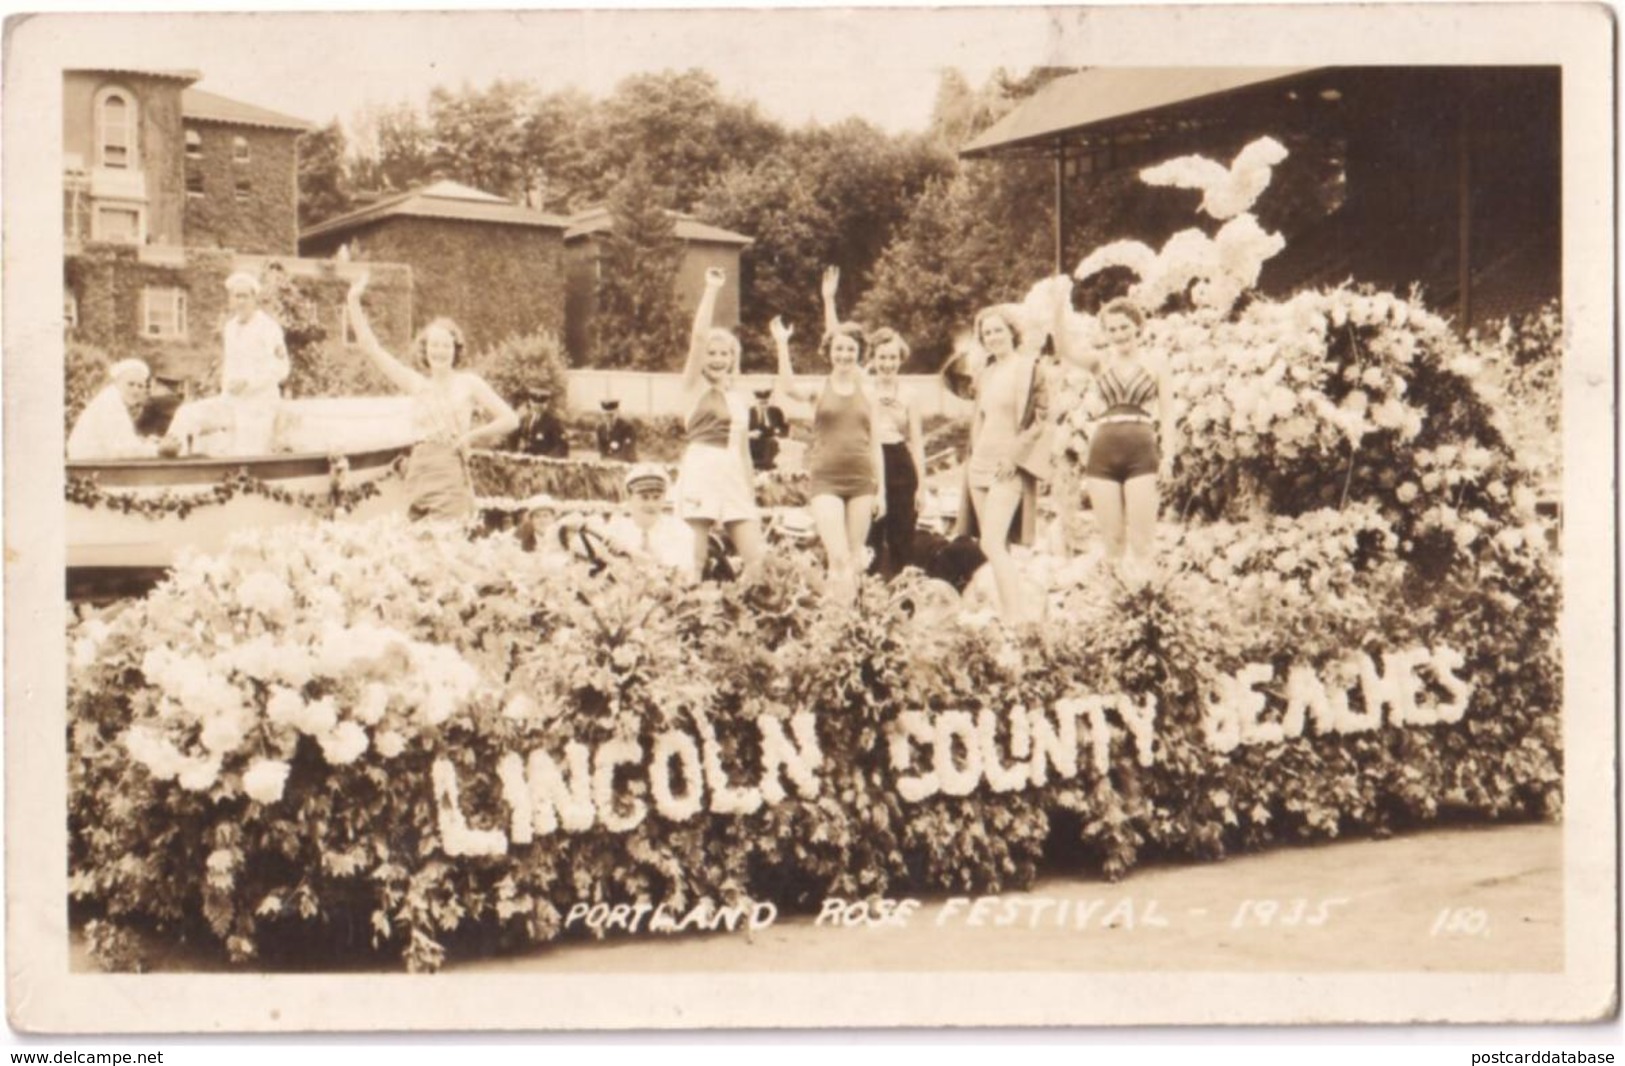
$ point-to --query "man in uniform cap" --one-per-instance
(617, 439)
(540, 432)
(767, 425)
(253, 366)
(644, 530)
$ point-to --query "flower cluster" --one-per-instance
(520, 476)
(388, 727)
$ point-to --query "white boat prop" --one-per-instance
(342, 462)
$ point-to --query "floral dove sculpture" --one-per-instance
(1226, 192)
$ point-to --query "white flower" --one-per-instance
(265, 593)
(199, 774)
(224, 732)
(285, 707)
(389, 743)
(1406, 492)
(265, 779)
(369, 710)
(344, 745)
(318, 718)
(155, 751)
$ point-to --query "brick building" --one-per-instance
(167, 190)
(493, 266)
(704, 246)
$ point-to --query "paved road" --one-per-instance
(1361, 906)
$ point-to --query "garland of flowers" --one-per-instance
(338, 499)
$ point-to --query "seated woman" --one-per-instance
(444, 402)
(105, 429)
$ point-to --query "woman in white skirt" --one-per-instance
(714, 478)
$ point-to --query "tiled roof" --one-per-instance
(188, 76)
(1103, 93)
(689, 228)
(203, 106)
(444, 199)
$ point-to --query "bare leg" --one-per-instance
(829, 518)
(998, 509)
(1140, 516)
(1106, 497)
(747, 540)
(860, 511)
(702, 544)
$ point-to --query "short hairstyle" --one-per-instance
(242, 281)
(845, 329)
(718, 333)
(1003, 313)
(886, 335)
(420, 343)
(1127, 309)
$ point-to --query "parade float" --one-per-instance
(335, 741)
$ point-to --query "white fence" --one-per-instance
(643, 393)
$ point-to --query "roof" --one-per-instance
(1103, 94)
(188, 76)
(201, 106)
(598, 220)
(442, 199)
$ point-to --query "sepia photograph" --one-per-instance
(811, 517)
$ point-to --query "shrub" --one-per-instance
(522, 362)
(85, 374)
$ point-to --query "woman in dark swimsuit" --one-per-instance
(1125, 453)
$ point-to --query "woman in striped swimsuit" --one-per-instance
(714, 477)
(1124, 453)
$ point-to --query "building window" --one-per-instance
(239, 149)
(70, 310)
(121, 225)
(194, 183)
(163, 312)
(115, 129)
(194, 144)
(245, 189)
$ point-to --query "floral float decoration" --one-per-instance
(378, 738)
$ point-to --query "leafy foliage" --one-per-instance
(517, 364)
(638, 322)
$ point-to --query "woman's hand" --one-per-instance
(357, 287)
(879, 511)
(714, 278)
(1006, 471)
(832, 282)
(781, 330)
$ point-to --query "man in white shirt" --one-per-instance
(644, 530)
(254, 365)
(105, 429)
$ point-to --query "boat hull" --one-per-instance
(106, 537)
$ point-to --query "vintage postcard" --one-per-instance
(810, 517)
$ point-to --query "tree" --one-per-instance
(478, 137)
(393, 148)
(639, 322)
(558, 138)
(324, 174)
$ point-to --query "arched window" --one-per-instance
(116, 116)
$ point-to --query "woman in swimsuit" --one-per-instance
(1124, 453)
(847, 474)
(897, 426)
(714, 477)
(1009, 440)
(443, 405)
